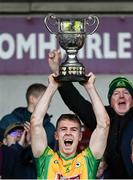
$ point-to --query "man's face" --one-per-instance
(68, 135)
(121, 101)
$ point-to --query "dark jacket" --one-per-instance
(121, 131)
(16, 163)
(22, 114)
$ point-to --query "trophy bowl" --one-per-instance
(71, 34)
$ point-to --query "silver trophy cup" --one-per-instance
(71, 33)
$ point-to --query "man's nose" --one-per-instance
(68, 131)
(121, 94)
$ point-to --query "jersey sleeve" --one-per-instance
(42, 162)
(91, 162)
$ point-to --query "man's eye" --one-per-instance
(116, 93)
(74, 129)
(63, 129)
(126, 92)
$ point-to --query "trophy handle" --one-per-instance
(91, 21)
(47, 22)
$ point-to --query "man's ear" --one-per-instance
(5, 141)
(31, 99)
(56, 136)
(80, 136)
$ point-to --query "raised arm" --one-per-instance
(99, 136)
(71, 96)
(38, 134)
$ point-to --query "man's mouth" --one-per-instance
(122, 103)
(68, 142)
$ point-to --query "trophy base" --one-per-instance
(71, 78)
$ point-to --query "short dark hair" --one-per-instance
(36, 90)
(72, 117)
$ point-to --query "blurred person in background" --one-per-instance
(17, 158)
(23, 114)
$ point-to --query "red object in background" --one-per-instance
(85, 139)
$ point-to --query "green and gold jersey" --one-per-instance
(52, 165)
